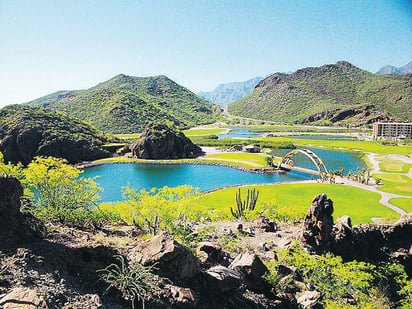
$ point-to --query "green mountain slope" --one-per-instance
(26, 132)
(126, 104)
(340, 93)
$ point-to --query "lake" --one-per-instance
(334, 160)
(112, 177)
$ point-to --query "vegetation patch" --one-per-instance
(198, 132)
(395, 183)
(395, 167)
(403, 203)
(364, 146)
(292, 201)
(247, 160)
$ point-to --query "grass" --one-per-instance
(402, 202)
(395, 167)
(203, 131)
(134, 135)
(394, 183)
(247, 160)
(359, 204)
(364, 146)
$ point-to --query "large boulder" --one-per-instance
(14, 225)
(159, 141)
(170, 258)
(252, 269)
(318, 223)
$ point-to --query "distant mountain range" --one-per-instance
(391, 69)
(126, 104)
(230, 92)
(337, 93)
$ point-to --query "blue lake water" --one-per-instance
(334, 160)
(239, 132)
(112, 177)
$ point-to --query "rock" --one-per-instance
(309, 300)
(158, 141)
(27, 132)
(344, 221)
(262, 223)
(171, 258)
(252, 270)
(14, 225)
(215, 254)
(318, 223)
(23, 298)
(366, 242)
(223, 279)
(181, 297)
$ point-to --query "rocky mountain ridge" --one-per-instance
(126, 104)
(225, 94)
(387, 69)
(318, 94)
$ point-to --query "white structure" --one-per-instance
(390, 130)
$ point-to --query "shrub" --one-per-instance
(134, 281)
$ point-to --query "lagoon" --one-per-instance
(112, 177)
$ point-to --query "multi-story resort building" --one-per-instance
(392, 130)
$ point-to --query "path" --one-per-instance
(385, 196)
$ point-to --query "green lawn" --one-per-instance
(248, 160)
(402, 202)
(359, 204)
(203, 131)
(365, 146)
(394, 183)
(135, 135)
(395, 167)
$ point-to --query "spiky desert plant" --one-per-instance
(248, 204)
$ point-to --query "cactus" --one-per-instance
(249, 203)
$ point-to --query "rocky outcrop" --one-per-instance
(318, 223)
(171, 258)
(159, 141)
(14, 225)
(357, 115)
(374, 242)
(27, 132)
(252, 269)
(368, 242)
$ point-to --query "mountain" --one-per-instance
(230, 92)
(391, 69)
(27, 132)
(337, 93)
(126, 104)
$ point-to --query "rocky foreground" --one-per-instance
(47, 265)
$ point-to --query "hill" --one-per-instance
(26, 132)
(230, 92)
(126, 104)
(407, 68)
(337, 93)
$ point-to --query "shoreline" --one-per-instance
(89, 164)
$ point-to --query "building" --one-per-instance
(392, 130)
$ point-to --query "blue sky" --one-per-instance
(46, 46)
